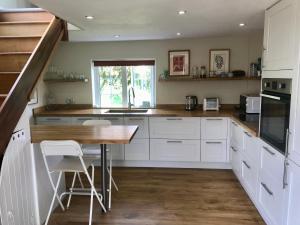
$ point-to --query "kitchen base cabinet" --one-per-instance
(175, 150)
(213, 150)
(142, 123)
(214, 128)
(236, 161)
(138, 149)
(249, 177)
(53, 120)
(117, 152)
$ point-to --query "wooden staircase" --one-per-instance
(27, 40)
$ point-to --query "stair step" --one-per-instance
(13, 62)
(25, 16)
(7, 80)
(18, 44)
(22, 28)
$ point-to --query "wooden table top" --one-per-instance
(84, 134)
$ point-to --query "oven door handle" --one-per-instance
(270, 96)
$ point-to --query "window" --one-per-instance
(113, 80)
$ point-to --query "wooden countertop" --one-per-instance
(251, 127)
(84, 134)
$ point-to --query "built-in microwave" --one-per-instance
(275, 112)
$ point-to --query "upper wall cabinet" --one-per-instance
(280, 36)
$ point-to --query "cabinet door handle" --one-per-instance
(246, 164)
(112, 119)
(214, 119)
(174, 118)
(268, 150)
(53, 119)
(136, 119)
(83, 119)
(235, 124)
(213, 142)
(235, 150)
(177, 142)
(249, 135)
(266, 188)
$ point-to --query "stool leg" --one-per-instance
(92, 197)
(79, 177)
(70, 195)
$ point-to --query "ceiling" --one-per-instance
(157, 19)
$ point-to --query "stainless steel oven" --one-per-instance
(275, 112)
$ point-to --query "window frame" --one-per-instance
(96, 81)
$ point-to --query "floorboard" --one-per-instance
(152, 196)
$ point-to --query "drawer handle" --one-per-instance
(213, 142)
(84, 119)
(268, 150)
(53, 119)
(178, 142)
(249, 135)
(136, 119)
(246, 164)
(174, 118)
(266, 188)
(214, 119)
(113, 119)
(235, 124)
(235, 150)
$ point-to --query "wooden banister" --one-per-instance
(17, 99)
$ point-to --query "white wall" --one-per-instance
(12, 4)
(77, 57)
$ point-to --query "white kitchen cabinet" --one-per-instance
(214, 128)
(236, 161)
(213, 151)
(175, 127)
(271, 199)
(293, 194)
(80, 120)
(280, 36)
(138, 149)
(175, 150)
(236, 135)
(117, 151)
(142, 123)
(53, 120)
(251, 147)
(249, 176)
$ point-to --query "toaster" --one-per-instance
(211, 104)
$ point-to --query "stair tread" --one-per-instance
(3, 95)
(24, 22)
(12, 73)
(15, 53)
(29, 36)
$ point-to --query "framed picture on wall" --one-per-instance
(219, 61)
(179, 62)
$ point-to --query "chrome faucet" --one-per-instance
(131, 90)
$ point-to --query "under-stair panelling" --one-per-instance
(18, 44)
(25, 16)
(23, 28)
(2, 98)
(7, 80)
(12, 62)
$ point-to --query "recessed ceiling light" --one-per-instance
(178, 33)
(117, 36)
(89, 17)
(182, 12)
(242, 24)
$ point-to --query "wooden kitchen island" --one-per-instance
(101, 135)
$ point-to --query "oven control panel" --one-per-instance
(277, 85)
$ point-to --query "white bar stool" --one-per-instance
(71, 160)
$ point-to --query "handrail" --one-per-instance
(17, 99)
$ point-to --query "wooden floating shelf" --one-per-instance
(188, 78)
(66, 81)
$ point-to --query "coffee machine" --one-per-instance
(191, 102)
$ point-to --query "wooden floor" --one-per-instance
(168, 197)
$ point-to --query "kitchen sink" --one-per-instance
(127, 111)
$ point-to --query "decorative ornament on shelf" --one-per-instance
(55, 74)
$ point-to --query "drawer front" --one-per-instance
(138, 149)
(236, 161)
(175, 150)
(53, 120)
(236, 136)
(80, 120)
(213, 151)
(175, 128)
(251, 147)
(272, 162)
(142, 123)
(117, 152)
(214, 128)
(271, 198)
(114, 120)
(249, 176)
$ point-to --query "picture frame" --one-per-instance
(179, 62)
(219, 61)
